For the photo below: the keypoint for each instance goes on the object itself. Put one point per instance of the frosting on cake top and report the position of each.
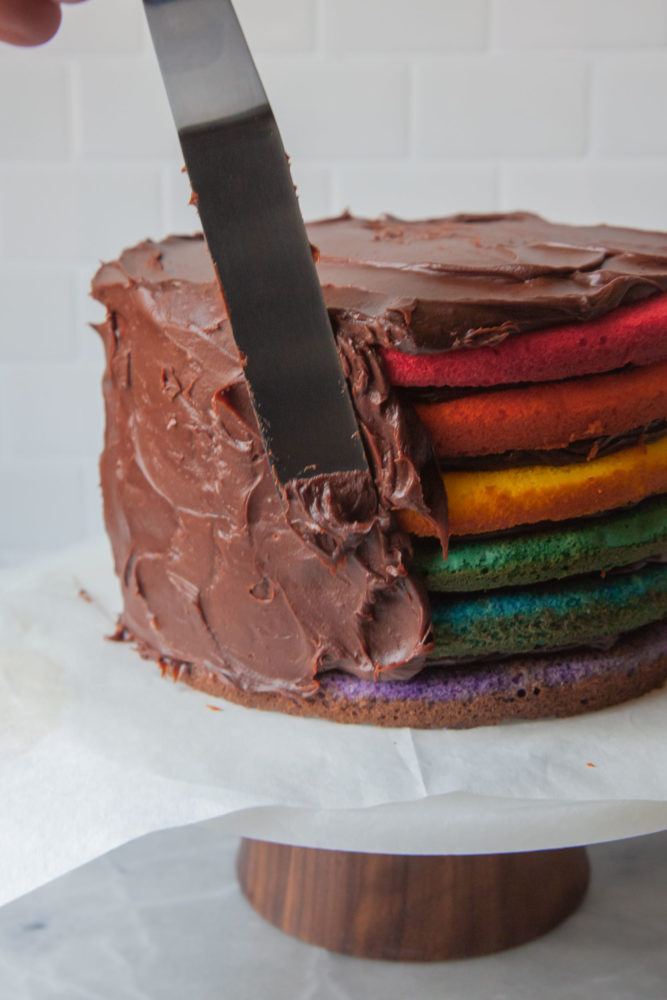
(475, 279)
(465, 280)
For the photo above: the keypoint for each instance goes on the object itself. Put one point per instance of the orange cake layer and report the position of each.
(484, 501)
(548, 415)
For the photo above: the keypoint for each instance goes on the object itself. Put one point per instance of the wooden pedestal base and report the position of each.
(411, 908)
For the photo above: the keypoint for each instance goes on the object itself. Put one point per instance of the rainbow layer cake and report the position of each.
(510, 380)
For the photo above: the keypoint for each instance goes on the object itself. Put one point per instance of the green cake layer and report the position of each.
(599, 544)
(583, 610)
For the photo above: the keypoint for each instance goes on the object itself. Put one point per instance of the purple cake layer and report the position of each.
(532, 686)
(509, 676)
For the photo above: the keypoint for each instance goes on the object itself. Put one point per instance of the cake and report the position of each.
(509, 377)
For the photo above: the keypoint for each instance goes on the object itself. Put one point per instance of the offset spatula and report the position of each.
(251, 219)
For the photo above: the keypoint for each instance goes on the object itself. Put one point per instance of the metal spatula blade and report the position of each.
(251, 219)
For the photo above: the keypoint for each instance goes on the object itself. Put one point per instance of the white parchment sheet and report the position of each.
(96, 749)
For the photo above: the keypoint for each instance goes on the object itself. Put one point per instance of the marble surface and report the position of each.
(162, 919)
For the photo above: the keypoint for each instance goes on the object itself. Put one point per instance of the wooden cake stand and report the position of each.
(410, 907)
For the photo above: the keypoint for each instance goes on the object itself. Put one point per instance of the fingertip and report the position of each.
(34, 25)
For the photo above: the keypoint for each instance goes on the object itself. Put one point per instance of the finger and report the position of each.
(28, 22)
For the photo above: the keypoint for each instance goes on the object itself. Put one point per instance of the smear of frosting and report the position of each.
(214, 569)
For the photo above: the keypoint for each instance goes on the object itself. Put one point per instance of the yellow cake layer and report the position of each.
(495, 500)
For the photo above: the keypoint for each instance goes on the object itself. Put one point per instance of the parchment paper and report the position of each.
(96, 749)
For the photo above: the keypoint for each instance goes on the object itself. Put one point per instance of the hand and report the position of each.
(29, 22)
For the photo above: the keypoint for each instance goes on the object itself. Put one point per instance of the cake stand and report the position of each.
(411, 907)
(433, 906)
(403, 844)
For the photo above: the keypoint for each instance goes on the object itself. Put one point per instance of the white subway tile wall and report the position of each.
(416, 107)
(400, 26)
(488, 105)
(340, 109)
(581, 24)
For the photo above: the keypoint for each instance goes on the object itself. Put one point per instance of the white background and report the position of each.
(418, 107)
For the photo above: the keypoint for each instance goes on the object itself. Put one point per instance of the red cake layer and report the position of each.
(635, 334)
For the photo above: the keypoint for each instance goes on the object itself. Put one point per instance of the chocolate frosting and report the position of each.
(213, 569)
(470, 280)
